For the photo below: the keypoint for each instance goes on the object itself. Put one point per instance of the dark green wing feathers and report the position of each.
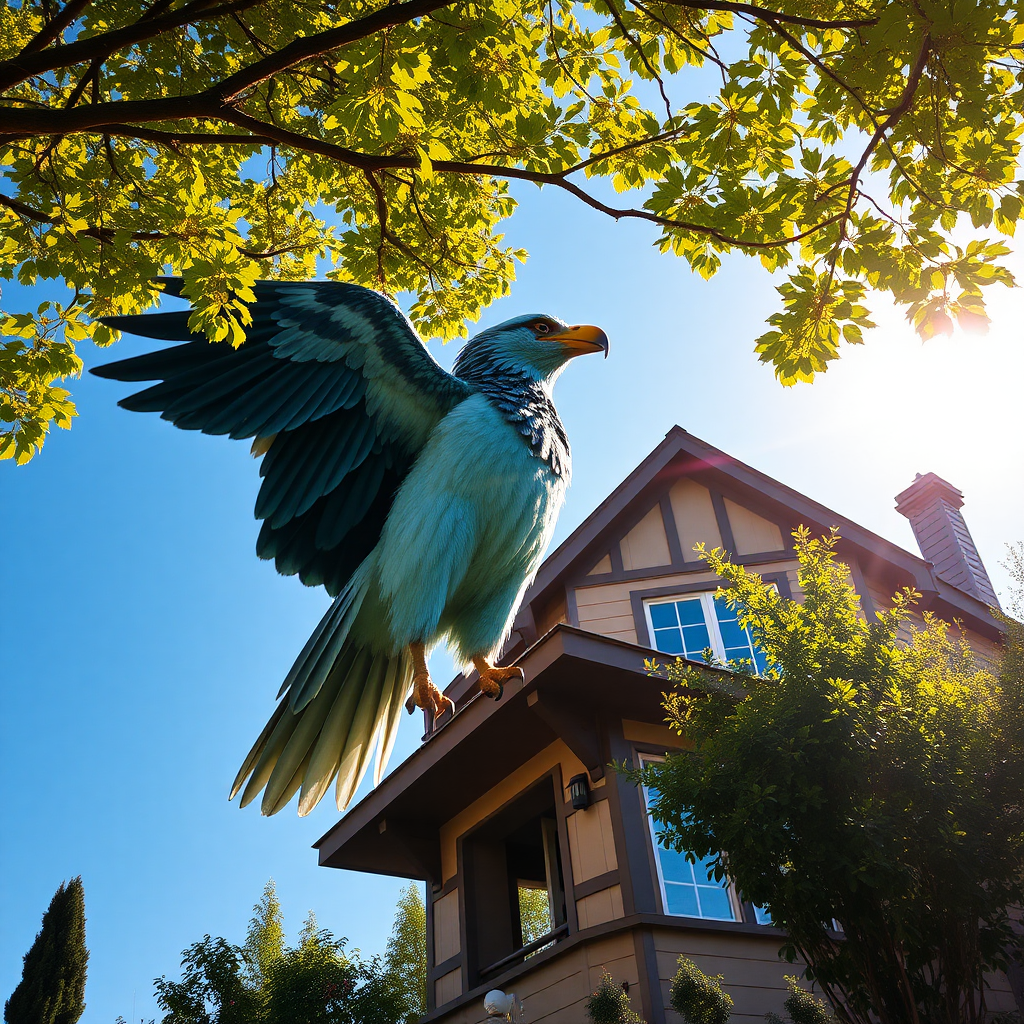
(340, 393)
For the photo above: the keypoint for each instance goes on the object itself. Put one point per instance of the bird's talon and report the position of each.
(493, 678)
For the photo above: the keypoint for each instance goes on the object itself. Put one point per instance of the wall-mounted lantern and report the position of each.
(579, 792)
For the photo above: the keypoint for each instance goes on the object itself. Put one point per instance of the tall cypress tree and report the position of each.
(52, 986)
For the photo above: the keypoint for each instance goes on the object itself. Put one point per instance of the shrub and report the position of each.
(697, 998)
(609, 1004)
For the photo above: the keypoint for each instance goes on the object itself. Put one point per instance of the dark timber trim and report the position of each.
(596, 884)
(578, 730)
(452, 963)
(722, 518)
(679, 568)
(668, 520)
(615, 556)
(629, 824)
(647, 971)
(562, 812)
(571, 611)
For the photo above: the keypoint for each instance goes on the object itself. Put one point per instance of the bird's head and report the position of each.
(536, 346)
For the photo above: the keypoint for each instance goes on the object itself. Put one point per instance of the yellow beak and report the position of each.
(583, 339)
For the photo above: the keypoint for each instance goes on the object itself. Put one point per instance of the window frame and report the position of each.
(735, 904)
(711, 623)
(638, 598)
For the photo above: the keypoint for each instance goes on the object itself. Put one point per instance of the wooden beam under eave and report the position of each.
(574, 726)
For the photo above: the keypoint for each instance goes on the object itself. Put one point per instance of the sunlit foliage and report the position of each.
(842, 140)
(866, 791)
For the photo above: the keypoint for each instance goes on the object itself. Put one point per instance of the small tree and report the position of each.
(609, 1004)
(52, 986)
(264, 981)
(264, 941)
(698, 998)
(864, 780)
(406, 956)
(802, 1007)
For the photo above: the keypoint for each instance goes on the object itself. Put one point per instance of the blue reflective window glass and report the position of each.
(682, 900)
(668, 641)
(762, 915)
(732, 634)
(739, 644)
(663, 615)
(714, 903)
(674, 866)
(696, 639)
(688, 892)
(691, 612)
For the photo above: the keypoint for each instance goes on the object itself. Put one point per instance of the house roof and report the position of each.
(683, 454)
(393, 830)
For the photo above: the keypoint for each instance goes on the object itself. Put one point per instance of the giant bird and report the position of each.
(421, 500)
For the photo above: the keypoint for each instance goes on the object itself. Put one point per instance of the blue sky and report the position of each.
(143, 641)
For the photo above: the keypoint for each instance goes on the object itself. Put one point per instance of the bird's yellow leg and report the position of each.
(493, 678)
(425, 694)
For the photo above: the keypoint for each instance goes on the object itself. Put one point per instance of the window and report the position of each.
(689, 625)
(686, 890)
(513, 890)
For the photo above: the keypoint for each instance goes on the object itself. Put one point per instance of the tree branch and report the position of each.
(53, 28)
(100, 47)
(205, 104)
(26, 211)
(187, 138)
(305, 47)
(762, 13)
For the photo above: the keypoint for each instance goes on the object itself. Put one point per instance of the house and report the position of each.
(541, 865)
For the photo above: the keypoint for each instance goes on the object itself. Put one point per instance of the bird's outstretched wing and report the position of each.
(337, 389)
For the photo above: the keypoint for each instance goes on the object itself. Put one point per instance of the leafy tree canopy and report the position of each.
(52, 986)
(264, 981)
(843, 140)
(872, 780)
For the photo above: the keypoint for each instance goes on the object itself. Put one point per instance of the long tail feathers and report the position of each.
(340, 702)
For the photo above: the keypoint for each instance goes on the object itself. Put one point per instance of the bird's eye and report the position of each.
(541, 328)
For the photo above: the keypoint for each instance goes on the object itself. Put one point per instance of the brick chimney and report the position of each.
(933, 507)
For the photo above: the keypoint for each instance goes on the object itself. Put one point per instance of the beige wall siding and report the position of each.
(599, 907)
(646, 546)
(695, 516)
(753, 974)
(605, 565)
(448, 987)
(556, 991)
(446, 927)
(605, 608)
(591, 842)
(752, 532)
